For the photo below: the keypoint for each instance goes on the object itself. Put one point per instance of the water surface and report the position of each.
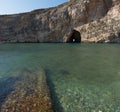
(82, 77)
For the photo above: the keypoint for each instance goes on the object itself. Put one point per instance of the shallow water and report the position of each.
(82, 77)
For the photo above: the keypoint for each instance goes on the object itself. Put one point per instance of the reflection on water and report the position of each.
(81, 77)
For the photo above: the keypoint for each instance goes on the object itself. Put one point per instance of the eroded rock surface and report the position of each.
(30, 93)
(54, 24)
(106, 29)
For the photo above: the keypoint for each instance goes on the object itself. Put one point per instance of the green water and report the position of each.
(82, 77)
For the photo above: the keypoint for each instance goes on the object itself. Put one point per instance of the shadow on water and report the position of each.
(55, 101)
(6, 87)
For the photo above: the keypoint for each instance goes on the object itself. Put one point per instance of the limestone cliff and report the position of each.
(106, 29)
(57, 24)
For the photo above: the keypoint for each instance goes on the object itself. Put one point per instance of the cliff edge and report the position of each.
(95, 20)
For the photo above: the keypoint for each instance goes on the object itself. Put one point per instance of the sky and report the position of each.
(20, 6)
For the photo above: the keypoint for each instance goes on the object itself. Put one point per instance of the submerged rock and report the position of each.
(57, 24)
(30, 94)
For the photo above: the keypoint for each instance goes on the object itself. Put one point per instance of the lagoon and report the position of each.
(81, 77)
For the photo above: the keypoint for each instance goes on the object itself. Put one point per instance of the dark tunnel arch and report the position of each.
(75, 37)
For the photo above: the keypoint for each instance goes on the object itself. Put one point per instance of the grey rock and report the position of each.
(54, 24)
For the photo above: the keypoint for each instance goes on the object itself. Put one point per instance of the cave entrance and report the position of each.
(75, 37)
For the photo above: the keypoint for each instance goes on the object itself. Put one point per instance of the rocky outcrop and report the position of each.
(106, 29)
(55, 24)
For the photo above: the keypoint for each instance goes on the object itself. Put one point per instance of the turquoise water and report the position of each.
(82, 77)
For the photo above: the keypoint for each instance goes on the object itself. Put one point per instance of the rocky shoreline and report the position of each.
(95, 20)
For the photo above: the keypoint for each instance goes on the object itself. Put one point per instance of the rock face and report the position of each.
(106, 29)
(57, 24)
